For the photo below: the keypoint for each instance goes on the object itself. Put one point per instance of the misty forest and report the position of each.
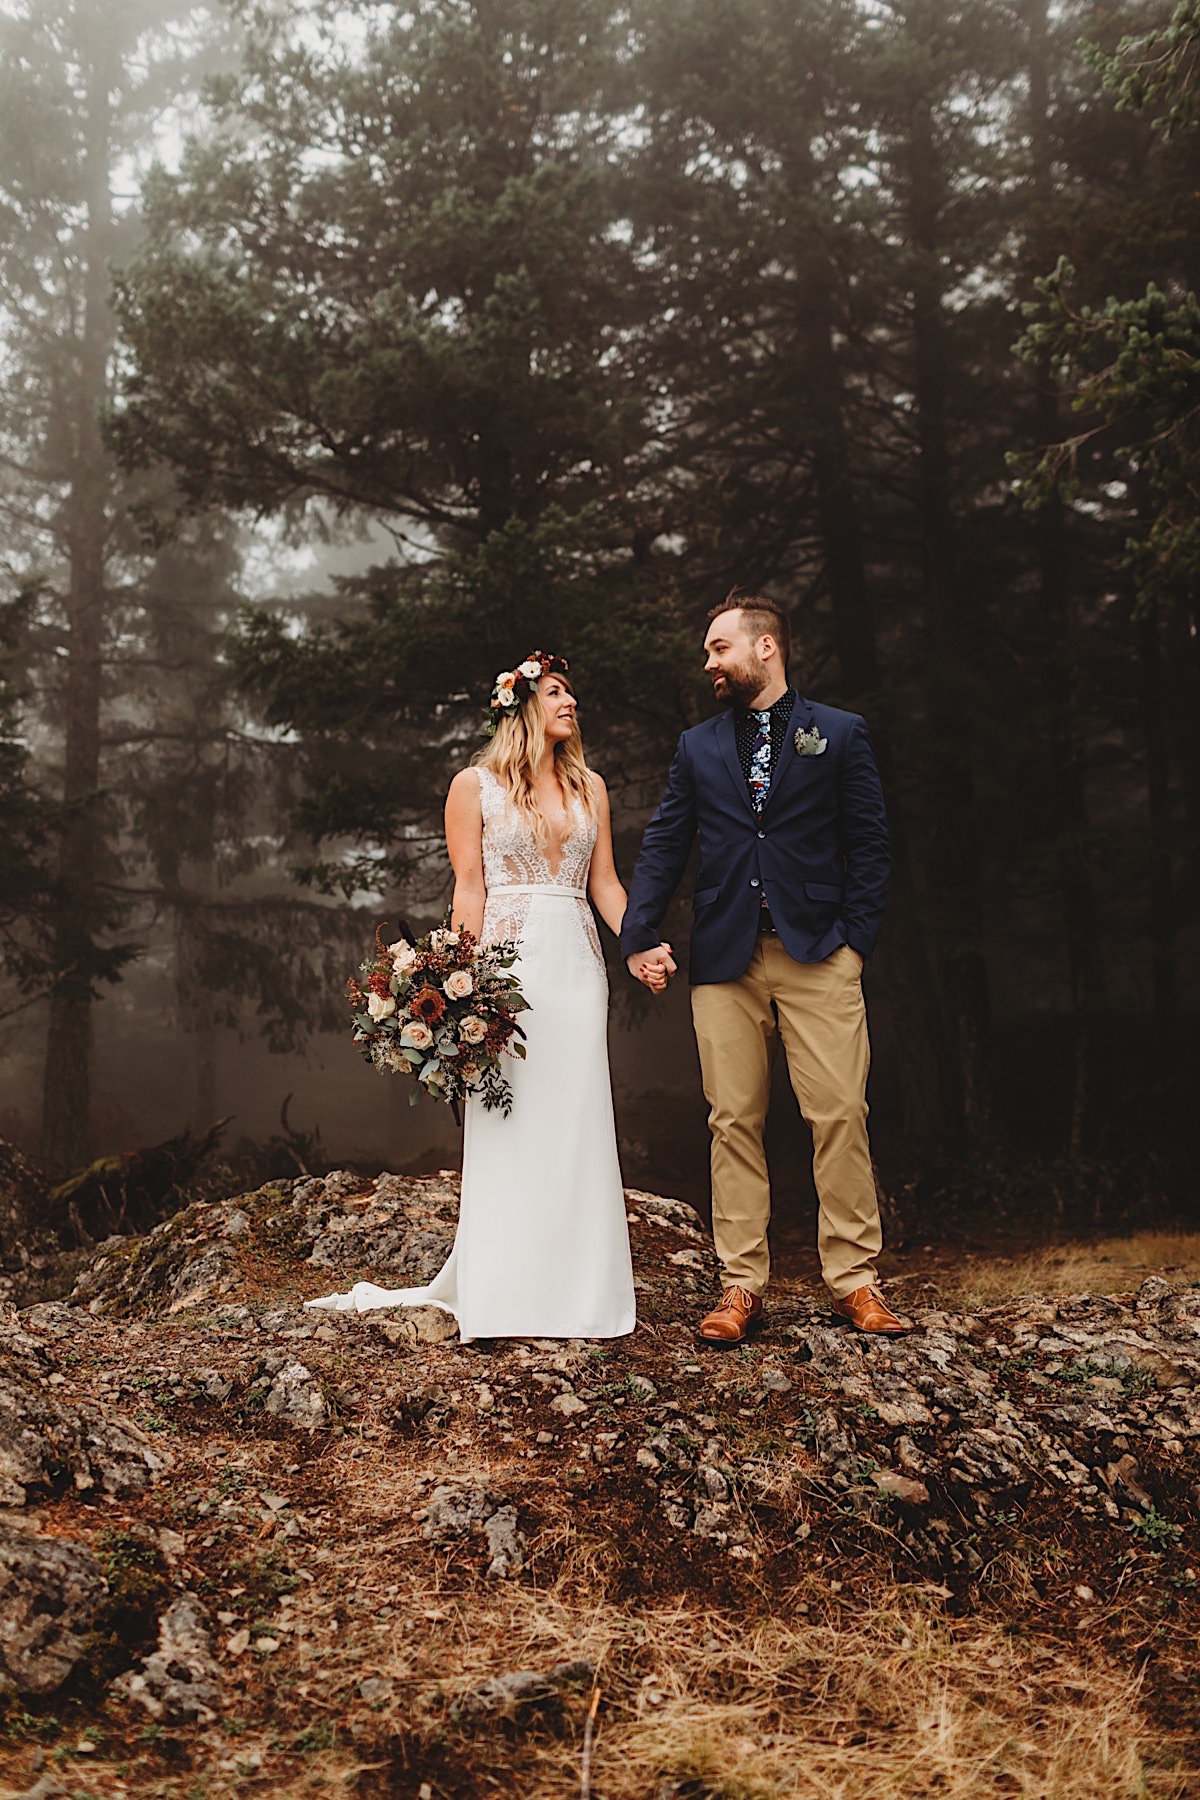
(348, 350)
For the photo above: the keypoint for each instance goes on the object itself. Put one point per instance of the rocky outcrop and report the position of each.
(506, 1542)
(180, 1682)
(396, 1230)
(951, 1426)
(453, 1512)
(967, 1415)
(314, 1451)
(291, 1392)
(49, 1592)
(46, 1440)
(43, 1442)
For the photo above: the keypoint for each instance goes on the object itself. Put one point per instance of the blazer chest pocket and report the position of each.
(822, 890)
(705, 897)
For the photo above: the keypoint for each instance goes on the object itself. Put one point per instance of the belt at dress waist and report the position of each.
(540, 887)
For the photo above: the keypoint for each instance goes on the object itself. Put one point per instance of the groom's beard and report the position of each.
(740, 685)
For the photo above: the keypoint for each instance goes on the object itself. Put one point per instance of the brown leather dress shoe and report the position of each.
(866, 1310)
(733, 1322)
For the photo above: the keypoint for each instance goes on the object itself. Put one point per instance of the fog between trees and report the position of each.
(443, 331)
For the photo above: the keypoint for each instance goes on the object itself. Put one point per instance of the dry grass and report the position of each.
(895, 1702)
(1107, 1266)
(816, 1696)
(893, 1705)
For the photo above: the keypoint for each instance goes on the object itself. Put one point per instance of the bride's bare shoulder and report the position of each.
(463, 794)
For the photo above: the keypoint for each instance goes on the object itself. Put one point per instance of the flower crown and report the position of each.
(512, 686)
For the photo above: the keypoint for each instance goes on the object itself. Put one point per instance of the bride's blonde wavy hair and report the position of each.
(514, 755)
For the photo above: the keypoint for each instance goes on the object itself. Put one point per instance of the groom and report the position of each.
(790, 892)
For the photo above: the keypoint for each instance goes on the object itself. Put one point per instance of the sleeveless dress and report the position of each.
(542, 1246)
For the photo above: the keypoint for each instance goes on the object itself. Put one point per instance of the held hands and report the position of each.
(653, 968)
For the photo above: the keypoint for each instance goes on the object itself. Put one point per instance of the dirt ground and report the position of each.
(959, 1279)
(804, 1644)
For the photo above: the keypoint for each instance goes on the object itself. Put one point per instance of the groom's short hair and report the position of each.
(763, 618)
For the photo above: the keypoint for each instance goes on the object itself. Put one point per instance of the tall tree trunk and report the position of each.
(1076, 892)
(1183, 668)
(955, 859)
(1158, 787)
(193, 989)
(1077, 898)
(67, 1089)
(928, 1077)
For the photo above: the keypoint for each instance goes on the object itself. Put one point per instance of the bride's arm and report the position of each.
(464, 841)
(604, 884)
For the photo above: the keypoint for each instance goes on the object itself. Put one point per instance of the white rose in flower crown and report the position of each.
(458, 985)
(506, 682)
(530, 670)
(402, 954)
(416, 1034)
(507, 697)
(443, 940)
(473, 1030)
(380, 1006)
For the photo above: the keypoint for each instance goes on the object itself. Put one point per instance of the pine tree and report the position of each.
(814, 196)
(26, 827)
(1128, 351)
(81, 89)
(397, 289)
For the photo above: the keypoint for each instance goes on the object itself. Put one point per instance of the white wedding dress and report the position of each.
(542, 1247)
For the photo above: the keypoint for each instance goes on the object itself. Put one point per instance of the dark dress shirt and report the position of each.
(745, 725)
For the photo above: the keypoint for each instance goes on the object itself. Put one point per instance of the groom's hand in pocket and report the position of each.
(653, 968)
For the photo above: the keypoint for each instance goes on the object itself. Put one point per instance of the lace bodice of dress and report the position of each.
(512, 858)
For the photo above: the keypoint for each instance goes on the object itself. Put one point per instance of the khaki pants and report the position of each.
(818, 1011)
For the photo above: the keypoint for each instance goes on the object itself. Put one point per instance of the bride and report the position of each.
(542, 1247)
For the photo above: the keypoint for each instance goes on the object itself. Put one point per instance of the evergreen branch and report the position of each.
(1158, 68)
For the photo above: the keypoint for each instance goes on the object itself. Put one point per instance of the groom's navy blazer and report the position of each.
(819, 849)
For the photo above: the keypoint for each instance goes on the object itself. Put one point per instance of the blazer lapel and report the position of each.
(727, 739)
(801, 715)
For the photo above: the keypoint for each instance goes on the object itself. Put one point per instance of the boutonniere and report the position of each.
(810, 742)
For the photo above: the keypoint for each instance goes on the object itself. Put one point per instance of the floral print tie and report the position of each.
(760, 762)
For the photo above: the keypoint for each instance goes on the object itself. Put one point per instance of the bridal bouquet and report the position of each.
(442, 1010)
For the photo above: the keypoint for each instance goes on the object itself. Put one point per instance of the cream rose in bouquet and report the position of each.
(440, 1009)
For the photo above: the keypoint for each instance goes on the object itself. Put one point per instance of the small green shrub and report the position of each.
(1155, 1529)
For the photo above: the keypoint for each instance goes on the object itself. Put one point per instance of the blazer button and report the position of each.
(762, 834)
(754, 881)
